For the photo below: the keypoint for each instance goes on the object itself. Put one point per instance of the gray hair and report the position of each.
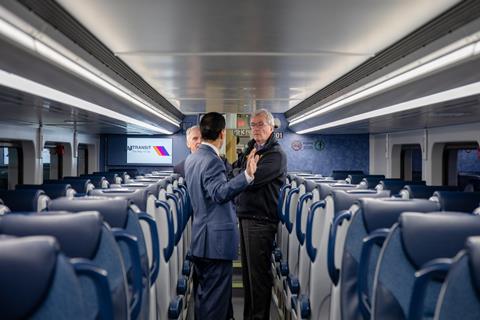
(190, 130)
(266, 114)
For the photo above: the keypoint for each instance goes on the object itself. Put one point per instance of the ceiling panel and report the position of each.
(281, 51)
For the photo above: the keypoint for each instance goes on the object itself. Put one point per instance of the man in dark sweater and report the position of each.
(257, 213)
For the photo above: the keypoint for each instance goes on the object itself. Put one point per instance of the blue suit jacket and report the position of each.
(214, 229)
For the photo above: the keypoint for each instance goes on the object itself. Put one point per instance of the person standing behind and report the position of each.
(257, 212)
(194, 137)
(214, 229)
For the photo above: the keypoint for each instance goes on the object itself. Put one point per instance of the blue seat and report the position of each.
(118, 214)
(368, 217)
(423, 192)
(343, 174)
(37, 281)
(53, 191)
(457, 201)
(414, 241)
(24, 200)
(370, 181)
(100, 182)
(460, 295)
(395, 186)
(82, 235)
(81, 185)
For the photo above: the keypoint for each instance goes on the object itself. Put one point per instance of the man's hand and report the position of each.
(252, 160)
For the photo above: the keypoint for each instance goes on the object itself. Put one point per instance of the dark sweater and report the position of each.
(259, 201)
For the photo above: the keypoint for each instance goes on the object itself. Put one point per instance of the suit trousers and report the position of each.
(256, 239)
(213, 289)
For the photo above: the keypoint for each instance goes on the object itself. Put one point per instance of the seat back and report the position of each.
(39, 285)
(367, 216)
(415, 240)
(423, 192)
(81, 235)
(81, 185)
(24, 200)
(459, 297)
(343, 174)
(52, 190)
(457, 201)
(118, 214)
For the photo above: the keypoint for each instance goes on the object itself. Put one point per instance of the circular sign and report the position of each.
(319, 145)
(297, 145)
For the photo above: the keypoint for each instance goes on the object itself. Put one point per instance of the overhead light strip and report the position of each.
(32, 43)
(25, 85)
(444, 96)
(410, 72)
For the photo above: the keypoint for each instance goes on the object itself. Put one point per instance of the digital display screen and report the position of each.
(149, 151)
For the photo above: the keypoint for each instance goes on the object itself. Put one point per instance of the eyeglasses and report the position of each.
(258, 125)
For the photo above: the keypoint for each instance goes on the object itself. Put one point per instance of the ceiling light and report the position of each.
(461, 50)
(25, 85)
(34, 44)
(448, 95)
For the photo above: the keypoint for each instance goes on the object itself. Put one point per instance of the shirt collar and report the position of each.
(213, 147)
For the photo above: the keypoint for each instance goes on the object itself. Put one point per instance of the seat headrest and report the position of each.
(457, 201)
(21, 200)
(425, 192)
(137, 196)
(309, 185)
(393, 185)
(473, 251)
(151, 187)
(113, 210)
(299, 180)
(78, 234)
(27, 266)
(436, 235)
(343, 199)
(383, 213)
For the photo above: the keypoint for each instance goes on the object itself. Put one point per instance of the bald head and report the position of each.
(194, 137)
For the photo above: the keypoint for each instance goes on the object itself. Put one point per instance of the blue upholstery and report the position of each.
(80, 185)
(21, 200)
(110, 176)
(457, 201)
(425, 192)
(52, 190)
(137, 196)
(87, 226)
(110, 209)
(40, 284)
(415, 240)
(460, 296)
(117, 213)
(79, 235)
(372, 180)
(355, 178)
(432, 236)
(395, 186)
(372, 214)
(343, 174)
(97, 181)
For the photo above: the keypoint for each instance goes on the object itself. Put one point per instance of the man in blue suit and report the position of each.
(215, 235)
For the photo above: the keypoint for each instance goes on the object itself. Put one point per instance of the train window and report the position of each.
(461, 165)
(411, 162)
(11, 165)
(52, 161)
(82, 160)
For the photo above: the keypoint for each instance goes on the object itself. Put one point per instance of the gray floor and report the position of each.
(237, 309)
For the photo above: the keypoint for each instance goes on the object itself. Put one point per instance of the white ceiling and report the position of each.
(233, 56)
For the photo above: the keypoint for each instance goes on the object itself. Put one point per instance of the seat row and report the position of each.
(141, 247)
(320, 240)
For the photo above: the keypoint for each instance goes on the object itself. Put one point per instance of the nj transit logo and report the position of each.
(161, 151)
